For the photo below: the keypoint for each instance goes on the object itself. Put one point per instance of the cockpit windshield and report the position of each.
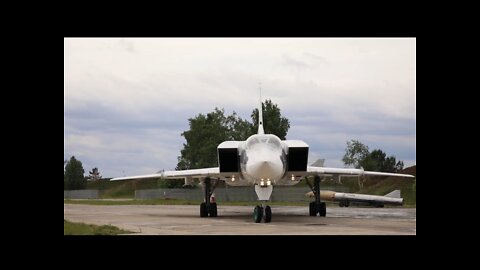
(268, 139)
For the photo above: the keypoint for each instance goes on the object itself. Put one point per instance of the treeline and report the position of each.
(358, 155)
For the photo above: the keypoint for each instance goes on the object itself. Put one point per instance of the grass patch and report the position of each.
(133, 202)
(175, 202)
(122, 189)
(72, 228)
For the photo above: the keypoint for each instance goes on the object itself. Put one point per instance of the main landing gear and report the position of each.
(317, 207)
(263, 211)
(208, 208)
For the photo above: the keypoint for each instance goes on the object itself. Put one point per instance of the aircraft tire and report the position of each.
(311, 209)
(203, 210)
(323, 209)
(213, 209)
(268, 214)
(257, 213)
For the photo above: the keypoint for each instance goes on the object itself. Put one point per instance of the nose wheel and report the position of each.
(257, 213)
(260, 212)
(268, 214)
(263, 211)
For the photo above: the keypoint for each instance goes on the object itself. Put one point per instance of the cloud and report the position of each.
(317, 59)
(296, 63)
(127, 45)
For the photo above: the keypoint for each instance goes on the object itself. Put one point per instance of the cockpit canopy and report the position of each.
(270, 139)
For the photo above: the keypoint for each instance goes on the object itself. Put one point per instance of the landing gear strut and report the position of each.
(207, 208)
(317, 207)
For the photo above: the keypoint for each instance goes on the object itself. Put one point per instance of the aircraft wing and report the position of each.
(346, 171)
(194, 173)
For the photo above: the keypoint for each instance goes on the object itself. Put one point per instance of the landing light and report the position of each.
(233, 178)
(261, 182)
(269, 182)
(293, 177)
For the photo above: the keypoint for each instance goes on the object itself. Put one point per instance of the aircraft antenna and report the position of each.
(260, 112)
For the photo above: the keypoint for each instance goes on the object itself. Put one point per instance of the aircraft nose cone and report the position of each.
(266, 169)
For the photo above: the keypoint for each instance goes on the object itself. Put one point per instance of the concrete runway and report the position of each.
(238, 220)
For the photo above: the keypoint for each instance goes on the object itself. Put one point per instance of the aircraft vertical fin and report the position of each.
(394, 194)
(260, 113)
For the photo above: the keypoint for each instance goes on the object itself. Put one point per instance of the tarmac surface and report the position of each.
(238, 220)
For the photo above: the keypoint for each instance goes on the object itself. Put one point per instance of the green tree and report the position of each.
(356, 154)
(377, 160)
(64, 177)
(94, 175)
(399, 166)
(273, 122)
(238, 129)
(374, 161)
(389, 164)
(171, 183)
(205, 134)
(74, 178)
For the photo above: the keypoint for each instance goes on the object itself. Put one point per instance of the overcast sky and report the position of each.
(128, 100)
